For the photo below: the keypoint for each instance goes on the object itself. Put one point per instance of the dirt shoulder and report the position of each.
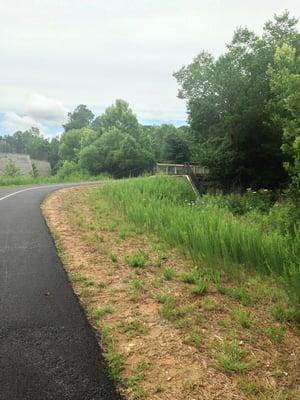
(163, 338)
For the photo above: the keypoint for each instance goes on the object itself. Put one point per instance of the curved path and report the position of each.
(47, 348)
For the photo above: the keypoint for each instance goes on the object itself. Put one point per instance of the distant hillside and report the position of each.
(24, 163)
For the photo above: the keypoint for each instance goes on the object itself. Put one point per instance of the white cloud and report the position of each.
(45, 109)
(92, 52)
(13, 122)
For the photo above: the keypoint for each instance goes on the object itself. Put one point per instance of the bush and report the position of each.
(70, 168)
(11, 170)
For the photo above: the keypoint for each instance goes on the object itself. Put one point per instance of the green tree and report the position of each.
(120, 116)
(285, 84)
(81, 117)
(117, 153)
(70, 145)
(226, 104)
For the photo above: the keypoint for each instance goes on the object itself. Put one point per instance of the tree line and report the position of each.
(113, 142)
(243, 120)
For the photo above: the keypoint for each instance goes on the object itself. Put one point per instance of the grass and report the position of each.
(193, 338)
(242, 317)
(275, 334)
(237, 314)
(138, 375)
(48, 180)
(201, 287)
(114, 359)
(98, 313)
(114, 257)
(190, 277)
(82, 279)
(132, 328)
(233, 358)
(208, 232)
(137, 259)
(168, 273)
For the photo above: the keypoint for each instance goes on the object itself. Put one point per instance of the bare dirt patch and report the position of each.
(162, 340)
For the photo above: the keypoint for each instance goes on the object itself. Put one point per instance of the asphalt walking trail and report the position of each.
(47, 348)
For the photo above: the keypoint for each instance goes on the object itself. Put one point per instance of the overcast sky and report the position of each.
(56, 54)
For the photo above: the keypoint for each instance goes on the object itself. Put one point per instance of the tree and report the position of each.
(117, 153)
(226, 104)
(70, 145)
(285, 85)
(81, 117)
(53, 154)
(120, 116)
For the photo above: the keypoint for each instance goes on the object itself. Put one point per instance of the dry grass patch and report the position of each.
(169, 332)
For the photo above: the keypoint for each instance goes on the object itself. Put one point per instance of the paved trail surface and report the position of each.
(47, 348)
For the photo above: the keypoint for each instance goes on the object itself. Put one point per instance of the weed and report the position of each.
(275, 334)
(133, 328)
(233, 358)
(137, 259)
(115, 360)
(242, 317)
(137, 284)
(113, 225)
(237, 293)
(189, 386)
(211, 305)
(166, 299)
(168, 273)
(190, 277)
(114, 257)
(201, 287)
(167, 311)
(123, 233)
(101, 285)
(279, 313)
(98, 313)
(138, 376)
(193, 338)
(77, 277)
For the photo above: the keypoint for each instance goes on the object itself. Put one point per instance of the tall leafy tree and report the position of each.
(81, 117)
(117, 153)
(285, 85)
(226, 104)
(120, 116)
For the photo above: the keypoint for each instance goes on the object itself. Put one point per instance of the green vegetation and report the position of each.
(201, 287)
(132, 328)
(168, 273)
(136, 259)
(233, 358)
(243, 117)
(275, 334)
(115, 360)
(209, 232)
(242, 317)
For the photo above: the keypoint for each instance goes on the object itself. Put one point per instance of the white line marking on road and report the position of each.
(31, 188)
(51, 186)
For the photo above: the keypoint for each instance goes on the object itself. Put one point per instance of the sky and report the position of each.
(56, 54)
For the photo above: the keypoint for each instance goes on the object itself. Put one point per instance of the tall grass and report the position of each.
(27, 180)
(166, 206)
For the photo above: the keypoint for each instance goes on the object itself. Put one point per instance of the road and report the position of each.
(48, 350)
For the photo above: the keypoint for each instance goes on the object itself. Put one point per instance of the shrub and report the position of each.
(11, 170)
(70, 168)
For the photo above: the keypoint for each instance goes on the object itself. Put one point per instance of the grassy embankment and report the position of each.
(221, 318)
(207, 232)
(44, 180)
